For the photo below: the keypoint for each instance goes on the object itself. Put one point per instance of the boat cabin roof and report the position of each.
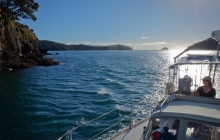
(208, 111)
(197, 59)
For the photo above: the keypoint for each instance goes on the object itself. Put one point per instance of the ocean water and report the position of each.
(44, 102)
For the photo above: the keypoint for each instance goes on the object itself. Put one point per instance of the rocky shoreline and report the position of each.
(11, 62)
(19, 47)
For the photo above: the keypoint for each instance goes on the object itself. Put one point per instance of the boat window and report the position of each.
(187, 78)
(202, 131)
(165, 128)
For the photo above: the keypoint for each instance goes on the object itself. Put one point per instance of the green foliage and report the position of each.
(15, 9)
(208, 44)
(50, 45)
(12, 23)
(25, 31)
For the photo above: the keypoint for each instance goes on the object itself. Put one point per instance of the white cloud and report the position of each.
(86, 42)
(69, 43)
(143, 37)
(106, 44)
(157, 43)
(153, 45)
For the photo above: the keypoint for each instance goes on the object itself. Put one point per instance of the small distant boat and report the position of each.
(180, 115)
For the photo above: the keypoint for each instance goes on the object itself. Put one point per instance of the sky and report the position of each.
(141, 24)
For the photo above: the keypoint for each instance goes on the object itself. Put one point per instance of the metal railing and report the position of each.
(164, 101)
(109, 127)
(68, 134)
(132, 123)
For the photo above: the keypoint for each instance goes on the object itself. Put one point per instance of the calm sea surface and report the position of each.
(44, 102)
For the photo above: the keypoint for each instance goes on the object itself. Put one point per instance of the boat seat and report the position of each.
(185, 84)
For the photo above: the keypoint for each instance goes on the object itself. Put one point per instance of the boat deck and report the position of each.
(135, 133)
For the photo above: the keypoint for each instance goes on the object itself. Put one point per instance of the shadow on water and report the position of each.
(24, 110)
(12, 104)
(22, 113)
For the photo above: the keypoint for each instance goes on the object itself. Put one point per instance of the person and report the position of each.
(206, 90)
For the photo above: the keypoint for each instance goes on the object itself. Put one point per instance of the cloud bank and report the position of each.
(157, 43)
(143, 37)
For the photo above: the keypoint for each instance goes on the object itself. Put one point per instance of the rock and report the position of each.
(1, 49)
(43, 51)
(49, 54)
(164, 49)
(19, 47)
(47, 62)
(1, 67)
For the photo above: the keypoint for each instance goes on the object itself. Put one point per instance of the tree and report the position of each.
(15, 9)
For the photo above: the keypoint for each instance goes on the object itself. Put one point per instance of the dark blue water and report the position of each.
(44, 102)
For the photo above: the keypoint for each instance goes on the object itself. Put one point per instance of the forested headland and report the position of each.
(50, 45)
(18, 43)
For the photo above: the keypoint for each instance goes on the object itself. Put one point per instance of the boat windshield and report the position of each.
(166, 128)
(174, 128)
(202, 131)
(189, 77)
(185, 76)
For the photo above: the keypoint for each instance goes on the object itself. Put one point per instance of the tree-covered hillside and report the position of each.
(18, 43)
(208, 44)
(50, 45)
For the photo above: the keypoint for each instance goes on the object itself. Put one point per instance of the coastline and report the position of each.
(19, 47)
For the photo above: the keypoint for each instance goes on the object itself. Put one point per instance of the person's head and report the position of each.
(207, 81)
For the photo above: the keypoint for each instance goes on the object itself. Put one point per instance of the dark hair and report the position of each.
(210, 83)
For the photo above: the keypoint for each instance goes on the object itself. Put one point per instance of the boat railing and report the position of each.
(164, 101)
(69, 134)
(109, 127)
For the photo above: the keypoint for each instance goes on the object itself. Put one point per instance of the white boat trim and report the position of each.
(191, 110)
(132, 129)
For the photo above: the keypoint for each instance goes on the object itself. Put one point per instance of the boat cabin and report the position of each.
(189, 67)
(183, 117)
(186, 74)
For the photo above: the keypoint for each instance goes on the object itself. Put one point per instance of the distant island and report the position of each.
(164, 49)
(50, 45)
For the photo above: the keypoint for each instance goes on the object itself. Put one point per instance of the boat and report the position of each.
(180, 115)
